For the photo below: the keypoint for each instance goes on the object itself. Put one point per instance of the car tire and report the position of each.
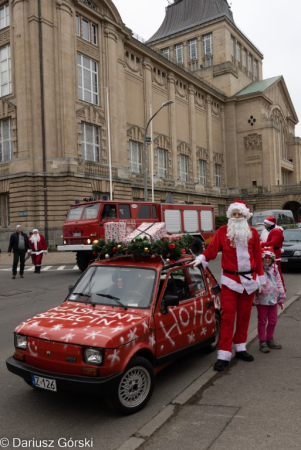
(212, 347)
(135, 387)
(83, 260)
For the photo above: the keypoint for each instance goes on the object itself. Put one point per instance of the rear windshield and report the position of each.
(74, 213)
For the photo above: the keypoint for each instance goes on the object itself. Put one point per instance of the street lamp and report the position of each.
(148, 139)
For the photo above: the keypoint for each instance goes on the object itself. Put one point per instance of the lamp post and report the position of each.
(148, 139)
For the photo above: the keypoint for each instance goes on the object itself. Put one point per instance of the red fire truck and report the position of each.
(85, 223)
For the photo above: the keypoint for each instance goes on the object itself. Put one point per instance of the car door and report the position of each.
(175, 330)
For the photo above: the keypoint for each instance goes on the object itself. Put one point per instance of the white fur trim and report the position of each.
(223, 355)
(231, 284)
(269, 222)
(241, 208)
(240, 347)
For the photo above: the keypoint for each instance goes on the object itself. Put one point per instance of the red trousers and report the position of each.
(37, 259)
(233, 305)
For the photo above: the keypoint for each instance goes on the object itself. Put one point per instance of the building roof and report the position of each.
(185, 14)
(257, 86)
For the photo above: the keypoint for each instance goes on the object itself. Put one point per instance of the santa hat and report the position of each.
(35, 230)
(268, 252)
(270, 220)
(242, 208)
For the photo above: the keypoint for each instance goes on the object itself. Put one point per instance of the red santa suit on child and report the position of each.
(242, 275)
(39, 247)
(275, 240)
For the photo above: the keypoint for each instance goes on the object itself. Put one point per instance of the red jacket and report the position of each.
(40, 245)
(241, 258)
(275, 240)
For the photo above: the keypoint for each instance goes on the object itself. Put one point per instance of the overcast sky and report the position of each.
(273, 26)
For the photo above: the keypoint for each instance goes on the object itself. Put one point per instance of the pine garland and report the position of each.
(167, 248)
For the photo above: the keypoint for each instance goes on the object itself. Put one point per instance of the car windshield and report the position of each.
(292, 235)
(129, 287)
(74, 213)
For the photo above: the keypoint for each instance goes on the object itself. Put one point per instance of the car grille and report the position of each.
(287, 253)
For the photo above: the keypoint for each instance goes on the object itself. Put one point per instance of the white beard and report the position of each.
(35, 238)
(238, 229)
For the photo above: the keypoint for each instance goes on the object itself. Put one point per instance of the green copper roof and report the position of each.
(257, 86)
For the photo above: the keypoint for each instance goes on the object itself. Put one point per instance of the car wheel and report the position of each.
(135, 387)
(212, 347)
(83, 260)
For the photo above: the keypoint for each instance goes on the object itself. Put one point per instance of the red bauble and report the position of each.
(170, 246)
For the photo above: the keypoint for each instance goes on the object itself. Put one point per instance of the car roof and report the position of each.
(147, 262)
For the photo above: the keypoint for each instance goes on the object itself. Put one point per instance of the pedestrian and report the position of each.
(242, 275)
(274, 239)
(39, 247)
(19, 243)
(266, 301)
(29, 255)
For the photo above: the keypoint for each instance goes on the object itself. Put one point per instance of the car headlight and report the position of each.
(20, 341)
(93, 356)
(297, 253)
(88, 241)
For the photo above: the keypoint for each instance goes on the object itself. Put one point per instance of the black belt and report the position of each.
(277, 248)
(240, 273)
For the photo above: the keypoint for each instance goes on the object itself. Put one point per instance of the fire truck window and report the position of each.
(74, 213)
(144, 212)
(154, 212)
(109, 212)
(91, 212)
(124, 212)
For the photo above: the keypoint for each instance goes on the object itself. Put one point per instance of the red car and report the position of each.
(121, 323)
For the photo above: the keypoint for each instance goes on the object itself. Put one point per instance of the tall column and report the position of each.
(222, 109)
(209, 139)
(192, 138)
(147, 78)
(172, 122)
(111, 82)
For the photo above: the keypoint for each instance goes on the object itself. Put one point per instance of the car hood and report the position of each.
(77, 323)
(292, 245)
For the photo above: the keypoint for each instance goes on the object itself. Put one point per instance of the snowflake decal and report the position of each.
(93, 334)
(44, 336)
(116, 329)
(114, 358)
(204, 331)
(67, 337)
(34, 324)
(132, 334)
(191, 337)
(145, 326)
(152, 340)
(57, 327)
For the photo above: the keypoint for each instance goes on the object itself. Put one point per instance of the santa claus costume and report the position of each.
(39, 247)
(274, 239)
(242, 275)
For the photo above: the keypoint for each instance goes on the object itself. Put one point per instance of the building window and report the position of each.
(238, 49)
(135, 157)
(244, 58)
(183, 168)
(6, 142)
(255, 69)
(87, 79)
(166, 53)
(4, 210)
(218, 175)
(179, 53)
(207, 45)
(86, 29)
(232, 46)
(250, 63)
(4, 16)
(91, 142)
(202, 172)
(5, 70)
(162, 163)
(193, 49)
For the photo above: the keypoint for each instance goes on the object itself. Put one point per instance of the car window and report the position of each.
(91, 212)
(177, 284)
(124, 211)
(75, 213)
(109, 211)
(144, 212)
(197, 282)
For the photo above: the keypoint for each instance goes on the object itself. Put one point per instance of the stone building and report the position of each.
(78, 89)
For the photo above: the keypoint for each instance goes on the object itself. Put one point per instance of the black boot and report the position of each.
(220, 365)
(35, 269)
(245, 356)
(38, 269)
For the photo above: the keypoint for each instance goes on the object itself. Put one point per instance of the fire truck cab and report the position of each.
(85, 223)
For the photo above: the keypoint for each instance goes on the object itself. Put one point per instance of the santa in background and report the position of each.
(274, 239)
(242, 275)
(39, 247)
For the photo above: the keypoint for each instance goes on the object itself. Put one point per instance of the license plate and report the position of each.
(284, 260)
(76, 234)
(44, 383)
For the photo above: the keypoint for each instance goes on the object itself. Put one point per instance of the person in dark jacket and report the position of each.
(19, 244)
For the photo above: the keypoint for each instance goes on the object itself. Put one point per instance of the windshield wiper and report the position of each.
(116, 299)
(81, 294)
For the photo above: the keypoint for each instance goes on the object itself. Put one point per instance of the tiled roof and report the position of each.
(257, 86)
(185, 14)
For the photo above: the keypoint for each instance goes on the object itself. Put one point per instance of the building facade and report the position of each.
(78, 89)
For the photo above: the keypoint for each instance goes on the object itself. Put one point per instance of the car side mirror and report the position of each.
(70, 288)
(216, 289)
(169, 300)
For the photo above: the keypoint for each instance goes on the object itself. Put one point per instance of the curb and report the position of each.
(143, 434)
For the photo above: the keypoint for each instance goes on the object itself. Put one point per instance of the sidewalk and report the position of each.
(249, 406)
(51, 258)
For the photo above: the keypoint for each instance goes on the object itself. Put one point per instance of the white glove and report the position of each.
(200, 260)
(45, 251)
